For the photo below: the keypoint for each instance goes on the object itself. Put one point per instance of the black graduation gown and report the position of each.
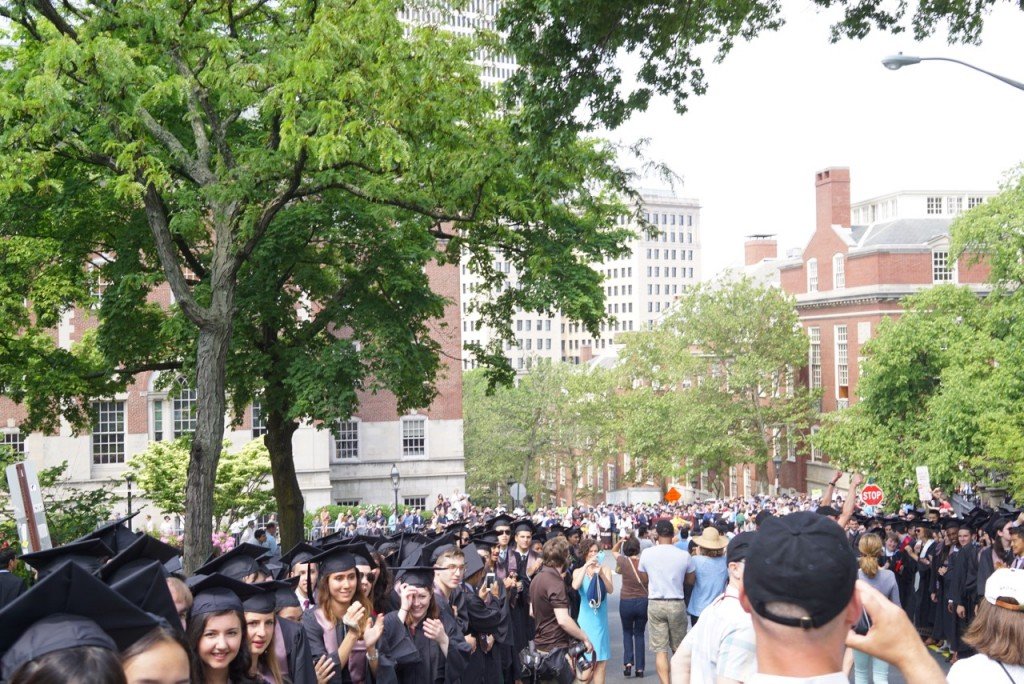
(299, 659)
(412, 658)
(961, 583)
(315, 641)
(925, 607)
(522, 623)
(940, 624)
(986, 566)
(478, 619)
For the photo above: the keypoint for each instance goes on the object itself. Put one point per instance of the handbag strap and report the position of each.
(1007, 672)
(635, 572)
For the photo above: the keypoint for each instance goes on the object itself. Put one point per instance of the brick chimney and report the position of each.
(757, 248)
(832, 190)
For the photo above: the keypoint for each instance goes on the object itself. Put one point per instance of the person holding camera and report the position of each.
(556, 631)
(594, 582)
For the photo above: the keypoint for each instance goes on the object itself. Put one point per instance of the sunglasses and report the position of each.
(502, 532)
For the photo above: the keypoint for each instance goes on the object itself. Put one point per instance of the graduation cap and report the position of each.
(474, 563)
(216, 593)
(361, 551)
(335, 559)
(266, 600)
(485, 539)
(141, 553)
(573, 531)
(284, 594)
(146, 588)
(66, 609)
(438, 546)
(88, 554)
(951, 523)
(238, 563)
(503, 520)
(114, 534)
(417, 576)
(300, 553)
(996, 522)
(524, 525)
(329, 539)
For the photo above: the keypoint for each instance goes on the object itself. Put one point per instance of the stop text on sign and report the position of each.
(872, 495)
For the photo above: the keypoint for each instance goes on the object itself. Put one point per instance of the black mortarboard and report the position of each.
(330, 539)
(88, 554)
(503, 520)
(522, 525)
(417, 576)
(139, 554)
(997, 522)
(951, 523)
(486, 539)
(237, 563)
(300, 553)
(284, 595)
(146, 588)
(266, 600)
(335, 559)
(573, 531)
(115, 534)
(828, 511)
(436, 547)
(474, 563)
(361, 551)
(69, 590)
(215, 593)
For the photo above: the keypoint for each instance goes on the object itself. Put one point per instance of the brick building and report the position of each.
(850, 276)
(349, 463)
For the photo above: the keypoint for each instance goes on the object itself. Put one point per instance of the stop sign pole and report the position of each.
(872, 495)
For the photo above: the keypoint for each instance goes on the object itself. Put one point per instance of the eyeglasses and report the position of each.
(454, 568)
(503, 532)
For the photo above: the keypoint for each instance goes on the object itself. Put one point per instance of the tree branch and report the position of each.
(198, 131)
(54, 17)
(135, 370)
(159, 225)
(202, 176)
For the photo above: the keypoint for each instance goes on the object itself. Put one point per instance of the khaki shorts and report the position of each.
(667, 622)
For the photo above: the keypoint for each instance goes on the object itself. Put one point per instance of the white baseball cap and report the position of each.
(1005, 588)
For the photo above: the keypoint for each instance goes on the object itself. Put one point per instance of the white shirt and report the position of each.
(666, 567)
(981, 668)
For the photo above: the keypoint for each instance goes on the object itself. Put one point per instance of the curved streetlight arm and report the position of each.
(901, 60)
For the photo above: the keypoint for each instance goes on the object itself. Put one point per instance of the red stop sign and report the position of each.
(872, 495)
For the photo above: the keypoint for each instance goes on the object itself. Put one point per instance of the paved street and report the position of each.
(615, 628)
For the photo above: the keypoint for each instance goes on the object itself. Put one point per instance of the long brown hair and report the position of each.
(870, 546)
(323, 596)
(998, 633)
(269, 660)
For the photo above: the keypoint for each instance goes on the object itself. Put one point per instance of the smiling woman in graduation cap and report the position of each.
(217, 630)
(341, 618)
(421, 644)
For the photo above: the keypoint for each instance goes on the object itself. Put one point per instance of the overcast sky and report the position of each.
(790, 103)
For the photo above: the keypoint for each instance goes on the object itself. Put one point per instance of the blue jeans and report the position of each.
(866, 668)
(633, 613)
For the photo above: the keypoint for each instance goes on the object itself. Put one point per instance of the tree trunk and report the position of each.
(207, 440)
(290, 505)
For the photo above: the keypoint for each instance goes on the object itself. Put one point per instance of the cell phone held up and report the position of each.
(489, 580)
(863, 625)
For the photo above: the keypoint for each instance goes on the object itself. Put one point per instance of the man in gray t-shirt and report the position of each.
(666, 567)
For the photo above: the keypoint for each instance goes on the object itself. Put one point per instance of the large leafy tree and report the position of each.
(713, 386)
(262, 158)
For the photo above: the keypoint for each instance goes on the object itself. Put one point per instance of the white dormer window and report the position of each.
(838, 272)
(942, 270)
(812, 275)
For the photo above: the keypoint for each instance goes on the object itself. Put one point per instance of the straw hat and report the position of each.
(710, 538)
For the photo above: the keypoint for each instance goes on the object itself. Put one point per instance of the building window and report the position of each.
(815, 451)
(838, 271)
(815, 357)
(414, 436)
(346, 440)
(414, 501)
(842, 363)
(941, 272)
(108, 432)
(259, 423)
(351, 503)
(974, 201)
(183, 409)
(954, 205)
(13, 441)
(933, 206)
(812, 275)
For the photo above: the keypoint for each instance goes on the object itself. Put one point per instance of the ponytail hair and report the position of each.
(870, 546)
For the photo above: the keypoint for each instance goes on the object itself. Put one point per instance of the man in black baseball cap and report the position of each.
(800, 588)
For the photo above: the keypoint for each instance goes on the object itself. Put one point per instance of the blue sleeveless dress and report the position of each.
(594, 622)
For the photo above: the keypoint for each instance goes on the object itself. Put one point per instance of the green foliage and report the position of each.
(312, 518)
(713, 386)
(242, 488)
(70, 511)
(963, 20)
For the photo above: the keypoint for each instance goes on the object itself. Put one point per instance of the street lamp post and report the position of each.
(777, 462)
(128, 479)
(395, 479)
(901, 60)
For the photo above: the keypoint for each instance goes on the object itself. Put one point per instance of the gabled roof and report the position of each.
(909, 231)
